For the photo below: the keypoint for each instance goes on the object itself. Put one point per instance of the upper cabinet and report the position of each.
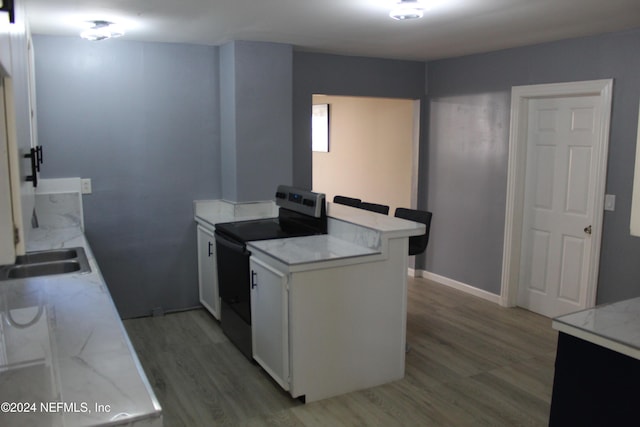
(7, 226)
(18, 137)
(635, 200)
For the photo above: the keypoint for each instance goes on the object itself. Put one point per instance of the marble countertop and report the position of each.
(389, 226)
(64, 346)
(310, 249)
(211, 212)
(615, 326)
(352, 233)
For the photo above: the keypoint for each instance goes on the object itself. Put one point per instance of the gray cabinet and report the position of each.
(208, 272)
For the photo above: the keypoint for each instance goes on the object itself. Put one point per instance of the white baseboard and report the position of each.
(480, 293)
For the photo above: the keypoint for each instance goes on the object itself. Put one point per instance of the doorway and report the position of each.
(373, 150)
(555, 195)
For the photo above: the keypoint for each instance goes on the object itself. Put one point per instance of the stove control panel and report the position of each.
(302, 201)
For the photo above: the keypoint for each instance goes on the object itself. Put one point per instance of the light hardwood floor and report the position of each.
(471, 363)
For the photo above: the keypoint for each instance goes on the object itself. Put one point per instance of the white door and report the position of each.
(560, 192)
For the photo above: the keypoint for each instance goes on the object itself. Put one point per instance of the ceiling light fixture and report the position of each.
(101, 30)
(407, 9)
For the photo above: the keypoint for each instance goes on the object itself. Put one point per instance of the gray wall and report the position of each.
(256, 116)
(228, 168)
(142, 121)
(347, 76)
(468, 141)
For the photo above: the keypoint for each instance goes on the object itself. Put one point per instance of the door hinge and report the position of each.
(16, 235)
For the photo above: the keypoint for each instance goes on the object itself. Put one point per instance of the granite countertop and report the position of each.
(63, 345)
(614, 326)
(310, 249)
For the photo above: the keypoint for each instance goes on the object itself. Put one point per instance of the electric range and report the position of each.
(301, 213)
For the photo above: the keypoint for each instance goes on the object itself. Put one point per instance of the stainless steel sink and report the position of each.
(48, 256)
(46, 263)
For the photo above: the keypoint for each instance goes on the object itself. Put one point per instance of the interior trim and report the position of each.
(520, 97)
(472, 290)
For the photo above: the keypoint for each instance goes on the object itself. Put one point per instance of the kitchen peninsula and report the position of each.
(329, 311)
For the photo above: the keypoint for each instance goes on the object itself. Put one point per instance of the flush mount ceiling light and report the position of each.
(407, 9)
(101, 30)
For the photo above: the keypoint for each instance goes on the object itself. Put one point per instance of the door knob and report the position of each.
(587, 230)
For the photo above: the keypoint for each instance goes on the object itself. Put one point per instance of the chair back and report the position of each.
(374, 207)
(349, 201)
(417, 244)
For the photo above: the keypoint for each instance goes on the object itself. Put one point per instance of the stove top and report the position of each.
(263, 229)
(302, 213)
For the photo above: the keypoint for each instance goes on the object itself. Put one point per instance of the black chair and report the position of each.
(417, 244)
(374, 207)
(349, 201)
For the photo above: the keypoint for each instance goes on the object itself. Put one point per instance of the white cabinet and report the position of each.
(7, 244)
(11, 220)
(208, 272)
(269, 321)
(17, 196)
(325, 328)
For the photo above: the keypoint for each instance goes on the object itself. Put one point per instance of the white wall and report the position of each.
(370, 150)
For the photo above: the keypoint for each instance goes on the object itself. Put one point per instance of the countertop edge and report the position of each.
(134, 355)
(594, 338)
(309, 265)
(205, 223)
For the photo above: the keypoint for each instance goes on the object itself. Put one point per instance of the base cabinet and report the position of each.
(207, 271)
(321, 332)
(593, 385)
(269, 321)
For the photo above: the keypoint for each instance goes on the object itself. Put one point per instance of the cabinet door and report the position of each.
(207, 272)
(270, 320)
(7, 243)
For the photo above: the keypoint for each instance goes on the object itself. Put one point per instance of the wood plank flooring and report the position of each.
(471, 363)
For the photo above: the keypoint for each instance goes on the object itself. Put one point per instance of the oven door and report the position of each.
(233, 275)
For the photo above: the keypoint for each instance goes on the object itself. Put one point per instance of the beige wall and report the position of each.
(370, 150)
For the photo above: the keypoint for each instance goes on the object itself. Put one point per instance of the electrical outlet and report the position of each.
(609, 202)
(86, 185)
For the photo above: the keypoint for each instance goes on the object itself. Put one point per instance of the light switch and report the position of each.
(86, 185)
(609, 202)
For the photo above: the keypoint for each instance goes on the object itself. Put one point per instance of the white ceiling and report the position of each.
(349, 27)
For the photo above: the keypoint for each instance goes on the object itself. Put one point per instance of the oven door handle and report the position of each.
(230, 244)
